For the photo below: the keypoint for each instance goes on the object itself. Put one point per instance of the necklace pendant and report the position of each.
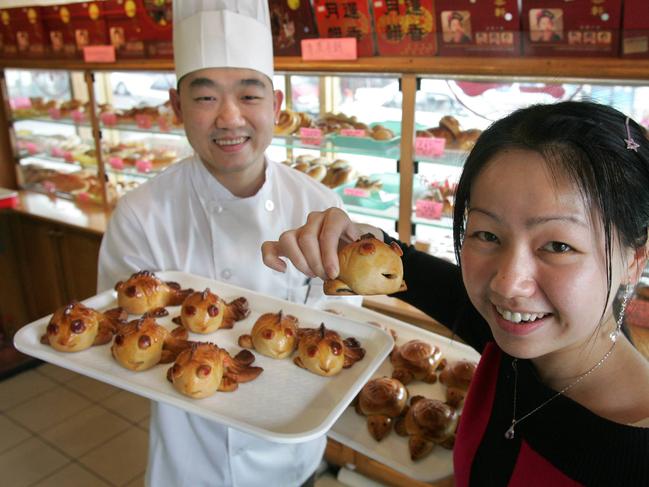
(509, 434)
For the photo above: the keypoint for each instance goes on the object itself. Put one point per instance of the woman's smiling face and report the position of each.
(533, 258)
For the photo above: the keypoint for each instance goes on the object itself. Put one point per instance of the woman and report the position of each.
(551, 218)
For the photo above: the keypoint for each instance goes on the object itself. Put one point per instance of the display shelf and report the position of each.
(46, 119)
(53, 162)
(290, 142)
(445, 223)
(153, 130)
(527, 67)
(450, 157)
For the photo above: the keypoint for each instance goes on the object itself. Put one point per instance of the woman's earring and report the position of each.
(625, 300)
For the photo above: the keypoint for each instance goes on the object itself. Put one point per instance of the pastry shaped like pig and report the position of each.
(144, 292)
(205, 312)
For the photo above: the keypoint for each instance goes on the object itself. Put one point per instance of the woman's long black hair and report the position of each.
(584, 141)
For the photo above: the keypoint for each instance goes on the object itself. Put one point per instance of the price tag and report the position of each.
(20, 102)
(142, 165)
(55, 113)
(57, 152)
(163, 124)
(67, 155)
(109, 119)
(353, 133)
(429, 146)
(99, 54)
(429, 209)
(332, 49)
(31, 148)
(310, 136)
(78, 116)
(359, 192)
(144, 121)
(116, 162)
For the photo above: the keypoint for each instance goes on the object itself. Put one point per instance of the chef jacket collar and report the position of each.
(211, 191)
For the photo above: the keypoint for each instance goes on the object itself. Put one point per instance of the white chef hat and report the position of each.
(222, 34)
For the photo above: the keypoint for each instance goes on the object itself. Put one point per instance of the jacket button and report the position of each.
(226, 274)
(269, 205)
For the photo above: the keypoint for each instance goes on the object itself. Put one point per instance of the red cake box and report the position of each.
(635, 29)
(478, 27)
(405, 28)
(346, 18)
(73, 26)
(291, 21)
(22, 33)
(569, 28)
(140, 28)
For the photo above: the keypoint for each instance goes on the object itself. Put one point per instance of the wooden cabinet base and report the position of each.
(343, 456)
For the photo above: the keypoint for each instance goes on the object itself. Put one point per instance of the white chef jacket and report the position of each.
(184, 219)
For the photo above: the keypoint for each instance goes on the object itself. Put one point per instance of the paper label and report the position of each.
(116, 162)
(429, 209)
(144, 121)
(67, 155)
(55, 113)
(429, 146)
(99, 54)
(32, 148)
(78, 116)
(310, 136)
(359, 192)
(20, 102)
(57, 152)
(353, 133)
(330, 49)
(109, 119)
(143, 165)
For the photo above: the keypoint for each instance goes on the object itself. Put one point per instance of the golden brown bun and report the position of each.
(429, 422)
(138, 345)
(381, 400)
(416, 360)
(367, 267)
(73, 328)
(198, 371)
(288, 123)
(301, 166)
(317, 172)
(324, 352)
(273, 335)
(451, 124)
(144, 292)
(205, 312)
(442, 133)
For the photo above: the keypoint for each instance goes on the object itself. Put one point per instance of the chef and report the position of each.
(208, 215)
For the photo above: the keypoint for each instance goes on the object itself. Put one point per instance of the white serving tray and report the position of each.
(351, 428)
(286, 403)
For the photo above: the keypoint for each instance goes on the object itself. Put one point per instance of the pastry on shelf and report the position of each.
(144, 292)
(368, 267)
(273, 335)
(364, 182)
(381, 400)
(338, 173)
(75, 327)
(205, 312)
(379, 132)
(143, 343)
(427, 422)
(450, 130)
(416, 360)
(288, 123)
(457, 377)
(324, 352)
(204, 368)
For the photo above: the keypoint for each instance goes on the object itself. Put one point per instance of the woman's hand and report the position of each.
(313, 247)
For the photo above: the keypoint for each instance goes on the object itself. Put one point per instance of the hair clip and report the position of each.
(630, 143)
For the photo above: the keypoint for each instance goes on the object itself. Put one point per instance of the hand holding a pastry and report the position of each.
(313, 247)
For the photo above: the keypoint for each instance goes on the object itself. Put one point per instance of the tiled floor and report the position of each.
(61, 429)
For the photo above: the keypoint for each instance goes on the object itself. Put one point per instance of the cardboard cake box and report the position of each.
(478, 27)
(22, 33)
(140, 28)
(635, 29)
(346, 18)
(568, 28)
(291, 21)
(73, 26)
(405, 28)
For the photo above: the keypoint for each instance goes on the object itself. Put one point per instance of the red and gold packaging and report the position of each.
(140, 28)
(478, 28)
(558, 28)
(346, 18)
(22, 33)
(635, 29)
(291, 21)
(405, 28)
(73, 26)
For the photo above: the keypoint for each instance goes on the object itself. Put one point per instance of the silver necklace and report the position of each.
(509, 434)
